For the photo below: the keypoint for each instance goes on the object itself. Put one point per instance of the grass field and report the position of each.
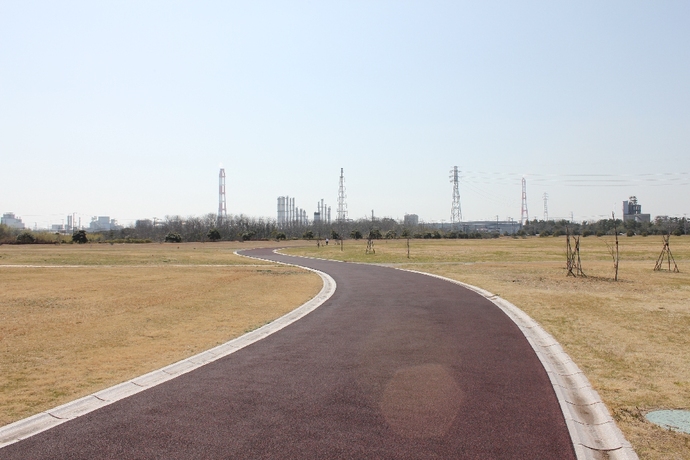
(76, 319)
(129, 254)
(630, 337)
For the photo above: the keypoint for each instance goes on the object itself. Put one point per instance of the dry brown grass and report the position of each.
(629, 337)
(219, 253)
(69, 331)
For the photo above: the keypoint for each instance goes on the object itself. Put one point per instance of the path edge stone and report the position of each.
(30, 426)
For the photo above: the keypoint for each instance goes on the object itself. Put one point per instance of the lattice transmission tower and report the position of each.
(222, 209)
(455, 210)
(342, 206)
(546, 207)
(524, 216)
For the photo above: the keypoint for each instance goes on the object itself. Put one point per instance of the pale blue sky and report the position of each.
(127, 109)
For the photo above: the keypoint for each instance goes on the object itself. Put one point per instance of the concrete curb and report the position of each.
(22, 429)
(593, 431)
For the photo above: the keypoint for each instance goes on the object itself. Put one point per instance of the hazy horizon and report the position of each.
(128, 109)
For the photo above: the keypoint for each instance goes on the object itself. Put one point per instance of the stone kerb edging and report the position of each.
(593, 431)
(22, 429)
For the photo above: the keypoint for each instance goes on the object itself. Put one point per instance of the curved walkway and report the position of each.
(394, 365)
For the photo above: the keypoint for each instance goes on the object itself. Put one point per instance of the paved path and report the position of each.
(394, 365)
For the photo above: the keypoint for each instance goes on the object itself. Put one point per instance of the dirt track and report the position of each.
(394, 365)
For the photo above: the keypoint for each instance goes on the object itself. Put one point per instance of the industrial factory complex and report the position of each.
(290, 215)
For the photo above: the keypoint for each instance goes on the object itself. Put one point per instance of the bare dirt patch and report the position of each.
(630, 337)
(69, 331)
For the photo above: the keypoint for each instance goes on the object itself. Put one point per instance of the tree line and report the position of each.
(661, 225)
(245, 228)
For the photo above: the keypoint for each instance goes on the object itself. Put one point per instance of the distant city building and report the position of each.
(143, 224)
(103, 224)
(411, 220)
(633, 211)
(64, 228)
(11, 220)
(490, 226)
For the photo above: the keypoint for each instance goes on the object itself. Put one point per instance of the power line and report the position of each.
(580, 180)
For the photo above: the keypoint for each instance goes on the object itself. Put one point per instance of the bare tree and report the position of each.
(613, 250)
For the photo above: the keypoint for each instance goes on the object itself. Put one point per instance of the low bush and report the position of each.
(173, 237)
(26, 238)
(80, 237)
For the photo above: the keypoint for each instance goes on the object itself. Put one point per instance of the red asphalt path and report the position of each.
(394, 365)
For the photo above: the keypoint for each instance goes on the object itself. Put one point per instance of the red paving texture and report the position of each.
(395, 365)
